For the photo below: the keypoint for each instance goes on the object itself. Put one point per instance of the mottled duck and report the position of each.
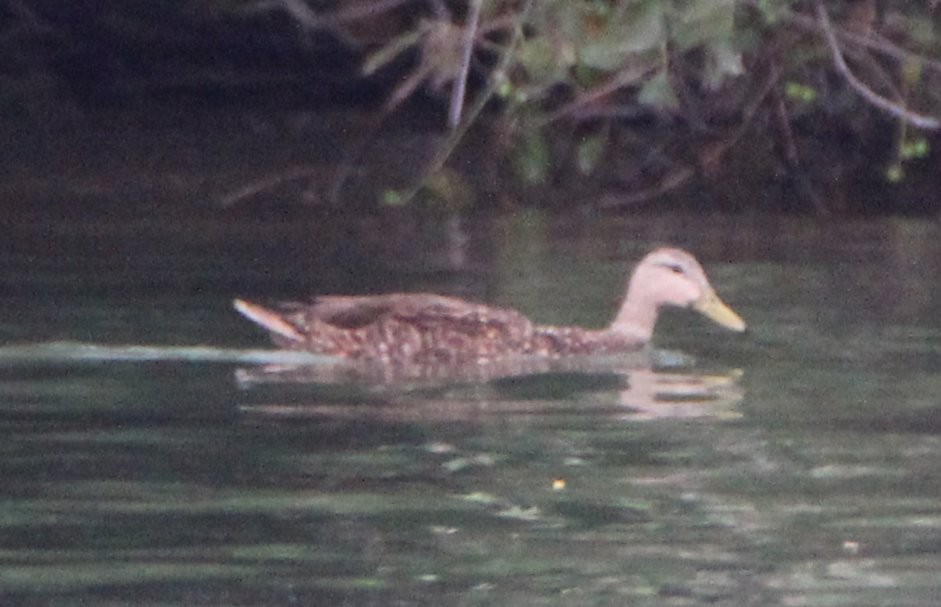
(421, 328)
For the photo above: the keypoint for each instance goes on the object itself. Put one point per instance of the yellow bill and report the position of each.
(713, 308)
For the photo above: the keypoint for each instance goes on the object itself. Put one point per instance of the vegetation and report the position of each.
(809, 99)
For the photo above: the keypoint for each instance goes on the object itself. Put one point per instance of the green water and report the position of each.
(794, 465)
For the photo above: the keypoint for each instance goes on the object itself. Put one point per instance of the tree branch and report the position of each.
(872, 41)
(887, 105)
(497, 76)
(307, 18)
(460, 84)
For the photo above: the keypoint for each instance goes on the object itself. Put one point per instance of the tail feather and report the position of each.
(269, 319)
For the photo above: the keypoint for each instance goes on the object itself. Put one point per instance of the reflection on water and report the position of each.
(65, 352)
(638, 389)
(797, 465)
(651, 394)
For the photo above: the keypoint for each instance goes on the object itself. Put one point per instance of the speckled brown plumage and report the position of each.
(432, 329)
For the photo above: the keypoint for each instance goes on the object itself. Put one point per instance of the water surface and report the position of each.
(794, 465)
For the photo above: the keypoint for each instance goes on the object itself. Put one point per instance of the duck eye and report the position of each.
(675, 268)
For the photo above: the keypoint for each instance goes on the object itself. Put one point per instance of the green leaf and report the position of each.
(644, 27)
(531, 161)
(921, 28)
(912, 71)
(447, 190)
(725, 62)
(634, 32)
(772, 11)
(392, 198)
(545, 61)
(800, 92)
(895, 173)
(589, 153)
(916, 148)
(703, 21)
(658, 92)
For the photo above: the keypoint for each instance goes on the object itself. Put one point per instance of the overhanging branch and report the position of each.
(887, 105)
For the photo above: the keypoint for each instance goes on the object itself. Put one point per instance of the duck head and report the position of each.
(669, 277)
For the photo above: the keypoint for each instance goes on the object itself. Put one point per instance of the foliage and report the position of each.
(694, 64)
(677, 86)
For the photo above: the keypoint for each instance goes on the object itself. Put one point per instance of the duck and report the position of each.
(424, 328)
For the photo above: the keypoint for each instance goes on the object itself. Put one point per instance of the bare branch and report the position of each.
(373, 8)
(256, 187)
(460, 84)
(309, 19)
(887, 105)
(625, 77)
(497, 76)
(711, 156)
(302, 13)
(872, 41)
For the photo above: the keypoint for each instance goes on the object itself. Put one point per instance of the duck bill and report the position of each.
(713, 308)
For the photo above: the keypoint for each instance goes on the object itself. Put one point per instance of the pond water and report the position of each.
(797, 464)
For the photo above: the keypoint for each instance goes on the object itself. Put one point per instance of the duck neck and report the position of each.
(637, 316)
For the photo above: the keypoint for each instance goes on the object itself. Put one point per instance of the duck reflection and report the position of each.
(654, 394)
(654, 385)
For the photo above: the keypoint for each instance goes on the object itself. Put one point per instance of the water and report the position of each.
(794, 465)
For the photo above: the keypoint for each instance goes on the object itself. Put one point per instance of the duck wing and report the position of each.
(398, 327)
(406, 327)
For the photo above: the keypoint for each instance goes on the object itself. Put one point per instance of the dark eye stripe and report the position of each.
(673, 267)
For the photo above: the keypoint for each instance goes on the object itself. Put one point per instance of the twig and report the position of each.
(309, 19)
(919, 120)
(872, 41)
(266, 183)
(499, 72)
(791, 155)
(440, 157)
(683, 174)
(302, 13)
(623, 78)
(460, 84)
(671, 181)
